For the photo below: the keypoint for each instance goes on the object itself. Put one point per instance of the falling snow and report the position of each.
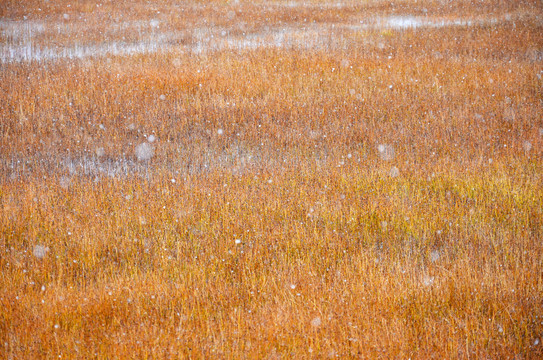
(386, 152)
(64, 182)
(40, 251)
(144, 151)
(428, 280)
(332, 209)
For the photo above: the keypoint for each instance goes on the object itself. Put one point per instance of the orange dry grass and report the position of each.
(380, 198)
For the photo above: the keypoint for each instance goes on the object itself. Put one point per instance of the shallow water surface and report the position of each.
(22, 43)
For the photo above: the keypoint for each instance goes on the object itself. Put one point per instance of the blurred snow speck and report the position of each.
(527, 146)
(316, 322)
(428, 280)
(220, 131)
(100, 152)
(386, 152)
(434, 256)
(144, 151)
(64, 182)
(394, 172)
(238, 241)
(162, 97)
(151, 138)
(40, 251)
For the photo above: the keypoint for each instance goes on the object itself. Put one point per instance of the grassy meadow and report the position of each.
(273, 180)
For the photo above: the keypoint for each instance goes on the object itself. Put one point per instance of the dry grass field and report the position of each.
(271, 180)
